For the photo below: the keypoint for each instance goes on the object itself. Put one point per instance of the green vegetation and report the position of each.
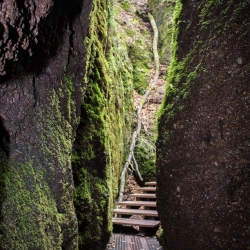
(138, 45)
(141, 67)
(125, 5)
(179, 78)
(145, 157)
(182, 72)
(105, 125)
(4, 171)
(29, 206)
(163, 13)
(38, 212)
(159, 236)
(216, 14)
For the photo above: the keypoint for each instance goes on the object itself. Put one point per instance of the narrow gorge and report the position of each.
(71, 77)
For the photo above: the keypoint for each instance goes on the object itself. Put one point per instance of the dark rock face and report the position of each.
(203, 164)
(19, 27)
(40, 102)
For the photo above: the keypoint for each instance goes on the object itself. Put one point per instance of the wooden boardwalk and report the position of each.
(133, 242)
(146, 208)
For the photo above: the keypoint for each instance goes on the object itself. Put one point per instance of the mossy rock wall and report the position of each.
(138, 41)
(203, 148)
(39, 110)
(145, 158)
(75, 87)
(105, 127)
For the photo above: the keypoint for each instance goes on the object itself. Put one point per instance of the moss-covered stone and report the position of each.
(104, 129)
(145, 157)
(38, 211)
(34, 208)
(4, 171)
(138, 43)
(202, 153)
(39, 114)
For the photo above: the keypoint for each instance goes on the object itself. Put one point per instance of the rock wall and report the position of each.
(203, 153)
(131, 16)
(67, 89)
(40, 99)
(104, 129)
(19, 25)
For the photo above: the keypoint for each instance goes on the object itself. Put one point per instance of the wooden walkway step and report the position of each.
(139, 203)
(135, 242)
(150, 183)
(133, 208)
(136, 212)
(147, 189)
(140, 223)
(143, 195)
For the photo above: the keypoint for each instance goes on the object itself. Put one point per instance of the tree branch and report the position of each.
(139, 123)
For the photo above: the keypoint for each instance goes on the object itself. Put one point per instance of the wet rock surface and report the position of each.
(203, 149)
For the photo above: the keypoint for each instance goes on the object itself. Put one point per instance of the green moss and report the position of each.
(105, 125)
(138, 45)
(183, 71)
(216, 13)
(180, 74)
(125, 5)
(179, 78)
(130, 32)
(145, 157)
(141, 68)
(167, 107)
(69, 90)
(4, 171)
(29, 206)
(159, 236)
(38, 211)
(163, 13)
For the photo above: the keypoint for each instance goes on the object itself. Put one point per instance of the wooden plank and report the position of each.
(147, 189)
(136, 212)
(143, 195)
(139, 203)
(150, 183)
(140, 223)
(133, 242)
